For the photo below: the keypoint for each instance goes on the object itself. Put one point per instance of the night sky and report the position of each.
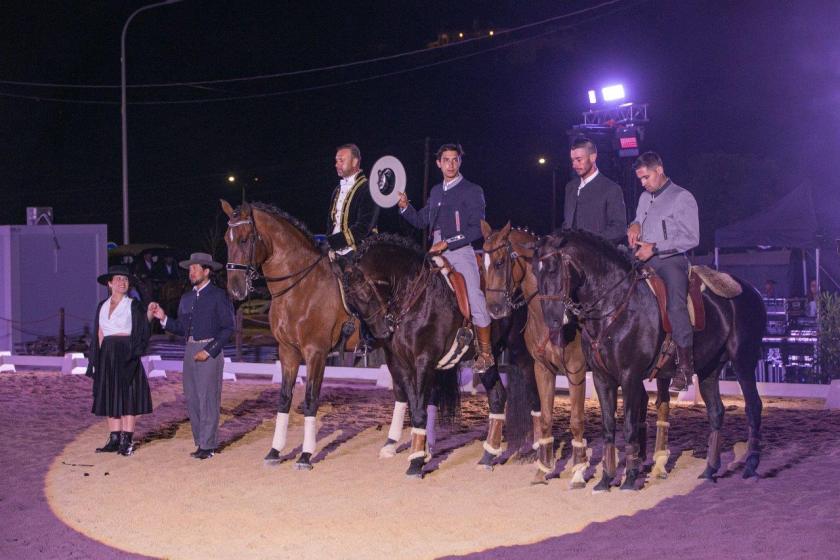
(743, 98)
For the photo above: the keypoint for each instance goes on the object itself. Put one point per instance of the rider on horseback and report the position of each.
(665, 228)
(353, 214)
(453, 215)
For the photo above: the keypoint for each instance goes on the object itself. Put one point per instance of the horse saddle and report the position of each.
(696, 311)
(699, 278)
(455, 281)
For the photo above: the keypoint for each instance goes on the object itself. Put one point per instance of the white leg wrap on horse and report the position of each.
(494, 416)
(431, 418)
(397, 421)
(281, 427)
(492, 450)
(536, 413)
(581, 443)
(661, 424)
(310, 430)
(418, 431)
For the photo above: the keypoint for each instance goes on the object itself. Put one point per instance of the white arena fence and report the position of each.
(76, 364)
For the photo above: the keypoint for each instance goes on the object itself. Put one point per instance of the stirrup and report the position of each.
(483, 362)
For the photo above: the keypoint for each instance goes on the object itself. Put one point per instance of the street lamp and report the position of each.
(123, 111)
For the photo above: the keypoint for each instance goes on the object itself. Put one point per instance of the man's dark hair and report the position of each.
(585, 143)
(354, 151)
(449, 148)
(649, 160)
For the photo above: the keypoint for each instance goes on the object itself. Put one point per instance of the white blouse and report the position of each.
(120, 320)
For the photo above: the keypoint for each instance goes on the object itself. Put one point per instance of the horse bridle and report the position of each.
(251, 269)
(513, 299)
(391, 316)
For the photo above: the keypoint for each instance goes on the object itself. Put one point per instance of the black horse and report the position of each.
(605, 291)
(408, 306)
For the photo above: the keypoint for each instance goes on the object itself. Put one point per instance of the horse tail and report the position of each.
(522, 395)
(447, 394)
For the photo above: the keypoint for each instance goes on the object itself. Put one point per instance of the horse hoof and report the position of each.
(750, 467)
(603, 486)
(576, 485)
(539, 478)
(486, 461)
(629, 485)
(303, 463)
(388, 451)
(273, 456)
(708, 474)
(415, 468)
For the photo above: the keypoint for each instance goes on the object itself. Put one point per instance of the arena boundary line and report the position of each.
(74, 363)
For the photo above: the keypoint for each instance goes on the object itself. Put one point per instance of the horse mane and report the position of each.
(389, 240)
(279, 214)
(619, 255)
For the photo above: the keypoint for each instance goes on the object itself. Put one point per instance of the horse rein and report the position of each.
(251, 269)
(393, 318)
(519, 299)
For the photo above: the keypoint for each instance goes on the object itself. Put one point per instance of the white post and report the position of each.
(717, 258)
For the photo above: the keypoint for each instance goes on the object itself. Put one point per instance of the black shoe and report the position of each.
(126, 445)
(204, 454)
(195, 453)
(685, 369)
(113, 444)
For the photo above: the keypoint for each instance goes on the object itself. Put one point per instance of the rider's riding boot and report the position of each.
(484, 360)
(685, 369)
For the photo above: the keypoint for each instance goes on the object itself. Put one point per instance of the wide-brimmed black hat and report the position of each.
(115, 270)
(200, 258)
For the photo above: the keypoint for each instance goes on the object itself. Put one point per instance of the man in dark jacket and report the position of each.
(353, 214)
(593, 202)
(453, 215)
(205, 319)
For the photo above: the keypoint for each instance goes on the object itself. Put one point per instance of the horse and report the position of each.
(408, 307)
(306, 315)
(624, 341)
(508, 257)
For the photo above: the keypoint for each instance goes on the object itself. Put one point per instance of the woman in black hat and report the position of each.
(120, 389)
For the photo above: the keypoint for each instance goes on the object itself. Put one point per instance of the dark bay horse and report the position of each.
(508, 257)
(410, 309)
(583, 275)
(306, 314)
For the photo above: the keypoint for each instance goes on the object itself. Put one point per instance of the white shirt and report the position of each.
(120, 320)
(344, 187)
(452, 183)
(584, 182)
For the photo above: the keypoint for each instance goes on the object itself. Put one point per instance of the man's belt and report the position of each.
(202, 341)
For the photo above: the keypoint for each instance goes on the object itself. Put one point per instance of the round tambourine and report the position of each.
(387, 181)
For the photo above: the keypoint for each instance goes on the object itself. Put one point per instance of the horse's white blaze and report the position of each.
(487, 262)
(539, 265)
(230, 235)
(281, 428)
(565, 318)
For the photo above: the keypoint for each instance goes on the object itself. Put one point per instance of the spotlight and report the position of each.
(231, 178)
(613, 93)
(541, 161)
(593, 99)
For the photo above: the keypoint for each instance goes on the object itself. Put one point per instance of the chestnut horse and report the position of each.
(508, 257)
(306, 313)
(582, 274)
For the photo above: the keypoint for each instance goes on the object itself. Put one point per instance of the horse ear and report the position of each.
(486, 230)
(227, 208)
(505, 230)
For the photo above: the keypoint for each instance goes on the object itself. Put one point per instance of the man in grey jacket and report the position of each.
(665, 228)
(594, 203)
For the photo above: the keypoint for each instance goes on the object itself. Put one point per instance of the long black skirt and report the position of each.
(120, 387)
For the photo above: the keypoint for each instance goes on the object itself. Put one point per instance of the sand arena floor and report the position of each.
(65, 501)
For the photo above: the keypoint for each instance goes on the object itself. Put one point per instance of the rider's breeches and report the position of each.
(463, 260)
(674, 272)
